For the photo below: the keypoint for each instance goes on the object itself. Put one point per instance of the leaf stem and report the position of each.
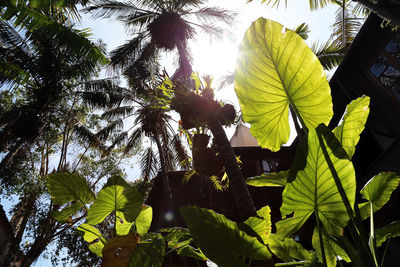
(353, 227)
(293, 263)
(372, 242)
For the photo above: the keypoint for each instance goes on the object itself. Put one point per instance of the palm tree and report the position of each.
(202, 110)
(149, 120)
(44, 68)
(158, 25)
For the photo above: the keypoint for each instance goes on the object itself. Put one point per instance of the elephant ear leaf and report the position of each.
(116, 195)
(288, 249)
(148, 254)
(91, 234)
(378, 191)
(270, 76)
(275, 179)
(143, 220)
(314, 191)
(220, 239)
(386, 232)
(68, 187)
(353, 123)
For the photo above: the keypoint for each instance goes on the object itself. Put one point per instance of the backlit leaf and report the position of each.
(116, 195)
(314, 189)
(353, 122)
(148, 254)
(143, 220)
(269, 179)
(275, 69)
(378, 191)
(288, 249)
(66, 187)
(220, 239)
(63, 215)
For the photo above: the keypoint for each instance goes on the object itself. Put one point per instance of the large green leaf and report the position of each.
(353, 122)
(288, 249)
(275, 69)
(97, 248)
(220, 239)
(66, 187)
(122, 226)
(148, 254)
(332, 250)
(63, 215)
(269, 179)
(143, 220)
(90, 233)
(179, 239)
(314, 190)
(378, 191)
(386, 232)
(262, 225)
(116, 195)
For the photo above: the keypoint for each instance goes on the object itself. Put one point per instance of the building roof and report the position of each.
(242, 137)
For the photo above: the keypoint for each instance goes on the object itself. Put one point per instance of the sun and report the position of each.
(216, 58)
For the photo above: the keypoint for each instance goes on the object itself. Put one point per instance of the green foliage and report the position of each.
(90, 234)
(269, 77)
(348, 132)
(148, 254)
(179, 239)
(115, 196)
(386, 232)
(66, 187)
(260, 226)
(269, 179)
(287, 249)
(314, 191)
(143, 220)
(331, 249)
(378, 191)
(220, 239)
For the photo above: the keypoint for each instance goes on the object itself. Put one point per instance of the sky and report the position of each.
(218, 58)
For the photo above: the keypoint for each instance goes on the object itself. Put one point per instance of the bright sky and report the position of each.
(218, 58)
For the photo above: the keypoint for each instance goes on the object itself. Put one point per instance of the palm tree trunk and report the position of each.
(165, 181)
(237, 184)
(185, 68)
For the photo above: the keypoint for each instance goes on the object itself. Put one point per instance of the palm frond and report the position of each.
(180, 154)
(360, 10)
(134, 140)
(117, 10)
(95, 99)
(119, 141)
(87, 136)
(118, 112)
(209, 14)
(112, 127)
(345, 28)
(124, 54)
(328, 54)
(148, 163)
(303, 30)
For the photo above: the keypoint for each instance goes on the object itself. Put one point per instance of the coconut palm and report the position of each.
(44, 68)
(159, 25)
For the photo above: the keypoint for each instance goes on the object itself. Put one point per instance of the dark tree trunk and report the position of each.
(185, 68)
(165, 182)
(237, 184)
